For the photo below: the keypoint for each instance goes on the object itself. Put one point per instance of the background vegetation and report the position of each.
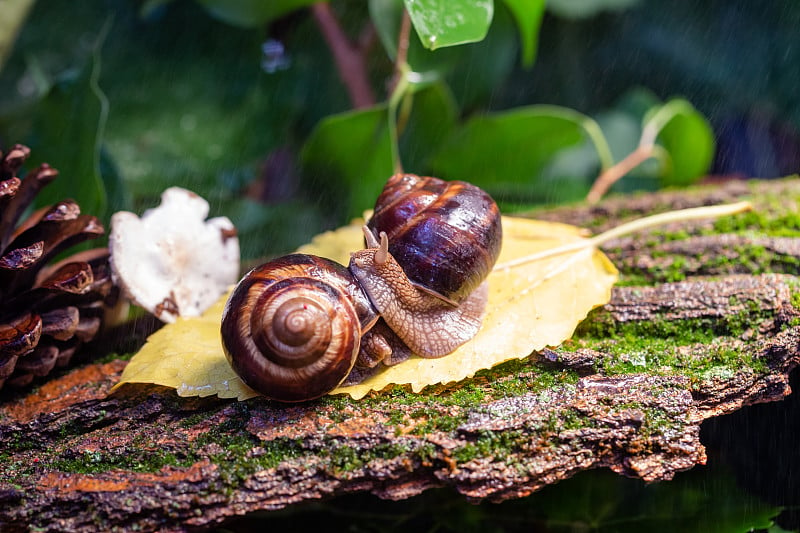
(244, 103)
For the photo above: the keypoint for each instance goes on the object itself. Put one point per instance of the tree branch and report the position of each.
(350, 58)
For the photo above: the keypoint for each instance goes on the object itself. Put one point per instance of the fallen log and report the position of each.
(705, 320)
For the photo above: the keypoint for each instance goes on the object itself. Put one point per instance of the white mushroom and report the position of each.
(172, 261)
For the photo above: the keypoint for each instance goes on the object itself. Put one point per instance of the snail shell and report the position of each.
(291, 328)
(427, 275)
(446, 235)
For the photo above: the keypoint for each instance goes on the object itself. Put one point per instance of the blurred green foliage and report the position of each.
(242, 102)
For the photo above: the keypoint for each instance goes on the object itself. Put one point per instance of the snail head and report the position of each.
(376, 254)
(374, 262)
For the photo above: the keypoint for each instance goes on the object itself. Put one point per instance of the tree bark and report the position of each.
(705, 321)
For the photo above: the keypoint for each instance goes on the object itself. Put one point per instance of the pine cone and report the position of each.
(46, 311)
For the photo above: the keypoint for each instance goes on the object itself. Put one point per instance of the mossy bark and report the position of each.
(705, 321)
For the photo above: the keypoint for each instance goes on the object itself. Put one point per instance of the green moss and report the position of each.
(135, 460)
(522, 377)
(495, 444)
(240, 454)
(193, 420)
(668, 346)
(676, 271)
(467, 395)
(743, 259)
(426, 452)
(433, 421)
(567, 420)
(14, 471)
(795, 298)
(600, 325)
(18, 442)
(765, 221)
(343, 457)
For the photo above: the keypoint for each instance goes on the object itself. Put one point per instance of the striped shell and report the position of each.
(445, 234)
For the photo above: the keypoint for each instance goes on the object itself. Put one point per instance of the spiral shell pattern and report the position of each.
(291, 328)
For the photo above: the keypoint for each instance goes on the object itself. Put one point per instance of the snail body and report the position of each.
(430, 246)
(428, 324)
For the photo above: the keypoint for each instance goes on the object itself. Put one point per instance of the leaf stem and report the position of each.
(400, 86)
(681, 215)
(401, 61)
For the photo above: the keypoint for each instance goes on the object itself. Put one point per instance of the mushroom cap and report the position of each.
(172, 261)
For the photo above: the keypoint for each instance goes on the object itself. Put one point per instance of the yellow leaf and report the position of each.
(530, 306)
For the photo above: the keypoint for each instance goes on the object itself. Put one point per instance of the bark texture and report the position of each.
(705, 321)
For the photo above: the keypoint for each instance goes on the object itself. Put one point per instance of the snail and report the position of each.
(294, 328)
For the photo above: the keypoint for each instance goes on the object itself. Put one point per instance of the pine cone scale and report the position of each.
(22, 257)
(46, 311)
(75, 278)
(61, 324)
(20, 336)
(26, 258)
(39, 363)
(13, 160)
(8, 188)
(21, 199)
(88, 327)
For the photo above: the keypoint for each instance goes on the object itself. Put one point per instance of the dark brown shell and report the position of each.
(291, 328)
(445, 234)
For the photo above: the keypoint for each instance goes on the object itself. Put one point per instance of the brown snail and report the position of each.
(293, 328)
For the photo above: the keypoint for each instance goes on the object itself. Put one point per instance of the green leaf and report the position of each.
(348, 158)
(528, 15)
(687, 138)
(71, 119)
(586, 8)
(251, 13)
(507, 153)
(494, 57)
(432, 118)
(442, 23)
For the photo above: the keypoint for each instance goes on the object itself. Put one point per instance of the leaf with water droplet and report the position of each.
(442, 23)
